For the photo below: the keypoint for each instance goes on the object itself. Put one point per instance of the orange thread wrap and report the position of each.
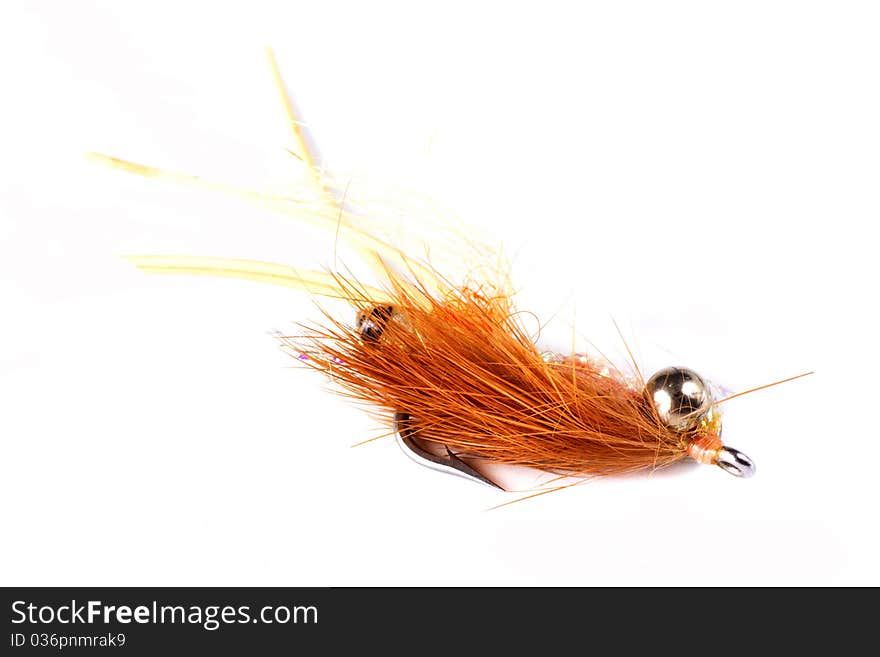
(705, 448)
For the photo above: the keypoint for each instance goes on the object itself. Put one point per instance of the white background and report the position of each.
(704, 173)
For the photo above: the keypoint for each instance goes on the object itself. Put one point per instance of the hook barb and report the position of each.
(408, 439)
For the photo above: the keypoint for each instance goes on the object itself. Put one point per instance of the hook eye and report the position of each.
(735, 462)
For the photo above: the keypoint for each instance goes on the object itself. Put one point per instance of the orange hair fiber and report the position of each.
(466, 372)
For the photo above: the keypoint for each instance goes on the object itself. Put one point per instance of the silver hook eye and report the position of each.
(735, 462)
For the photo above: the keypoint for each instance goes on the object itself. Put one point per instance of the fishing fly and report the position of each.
(453, 368)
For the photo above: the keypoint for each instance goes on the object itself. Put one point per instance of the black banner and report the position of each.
(136, 621)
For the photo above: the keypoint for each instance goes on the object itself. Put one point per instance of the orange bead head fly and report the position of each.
(451, 367)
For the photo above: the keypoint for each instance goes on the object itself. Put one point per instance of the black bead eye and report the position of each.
(680, 396)
(371, 323)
